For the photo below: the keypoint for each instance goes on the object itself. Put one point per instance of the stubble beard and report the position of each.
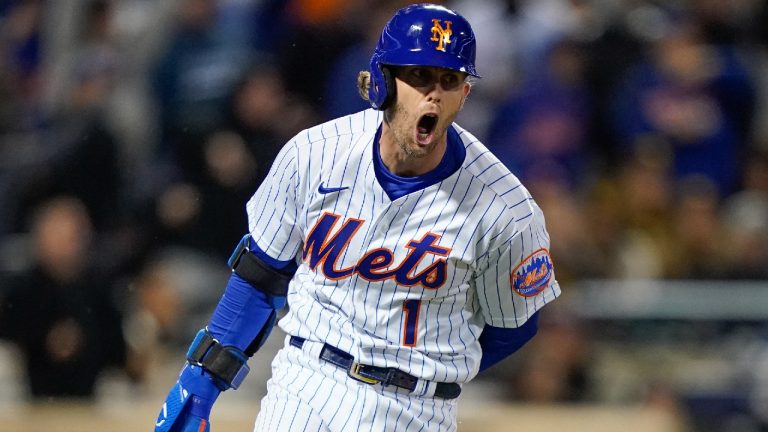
(403, 134)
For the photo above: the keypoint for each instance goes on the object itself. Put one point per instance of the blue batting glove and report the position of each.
(188, 405)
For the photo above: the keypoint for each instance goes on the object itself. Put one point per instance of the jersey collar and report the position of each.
(396, 186)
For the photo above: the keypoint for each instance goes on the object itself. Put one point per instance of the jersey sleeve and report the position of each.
(518, 277)
(273, 209)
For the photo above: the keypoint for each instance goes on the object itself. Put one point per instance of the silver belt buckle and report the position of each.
(354, 372)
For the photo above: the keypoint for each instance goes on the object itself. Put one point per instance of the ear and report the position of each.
(466, 90)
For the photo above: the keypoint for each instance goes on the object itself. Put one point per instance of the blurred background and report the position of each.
(132, 132)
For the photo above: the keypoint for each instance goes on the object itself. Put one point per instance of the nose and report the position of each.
(435, 91)
(434, 96)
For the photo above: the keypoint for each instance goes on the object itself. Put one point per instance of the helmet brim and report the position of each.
(417, 58)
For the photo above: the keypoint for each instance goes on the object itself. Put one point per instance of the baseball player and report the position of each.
(409, 257)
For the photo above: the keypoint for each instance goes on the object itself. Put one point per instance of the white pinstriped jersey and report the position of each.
(408, 283)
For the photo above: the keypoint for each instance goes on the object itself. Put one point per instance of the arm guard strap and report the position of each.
(226, 364)
(246, 262)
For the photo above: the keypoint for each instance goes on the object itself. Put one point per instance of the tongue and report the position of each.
(423, 137)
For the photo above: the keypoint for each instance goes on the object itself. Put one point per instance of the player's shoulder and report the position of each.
(485, 167)
(501, 188)
(366, 121)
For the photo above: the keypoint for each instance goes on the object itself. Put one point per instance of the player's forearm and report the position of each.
(242, 315)
(256, 289)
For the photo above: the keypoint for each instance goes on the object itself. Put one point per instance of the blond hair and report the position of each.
(363, 84)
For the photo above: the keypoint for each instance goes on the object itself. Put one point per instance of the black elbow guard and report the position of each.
(250, 267)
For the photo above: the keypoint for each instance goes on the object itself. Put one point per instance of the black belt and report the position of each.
(375, 374)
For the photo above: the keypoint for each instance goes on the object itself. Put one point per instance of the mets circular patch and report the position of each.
(532, 275)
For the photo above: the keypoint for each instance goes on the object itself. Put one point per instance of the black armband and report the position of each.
(250, 267)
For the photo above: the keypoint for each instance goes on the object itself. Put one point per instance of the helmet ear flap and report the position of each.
(382, 88)
(389, 82)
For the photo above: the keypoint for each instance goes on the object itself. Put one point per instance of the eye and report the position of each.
(420, 77)
(450, 81)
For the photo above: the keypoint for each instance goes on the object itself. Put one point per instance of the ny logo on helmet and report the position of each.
(441, 35)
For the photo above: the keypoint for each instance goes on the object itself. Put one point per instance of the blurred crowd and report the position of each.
(132, 132)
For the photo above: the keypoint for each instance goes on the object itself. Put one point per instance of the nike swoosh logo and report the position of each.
(325, 190)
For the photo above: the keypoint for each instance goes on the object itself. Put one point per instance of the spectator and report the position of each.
(645, 190)
(21, 65)
(685, 95)
(60, 312)
(232, 161)
(171, 291)
(542, 127)
(316, 34)
(698, 235)
(203, 215)
(75, 152)
(745, 221)
(21, 90)
(193, 79)
(261, 97)
(577, 251)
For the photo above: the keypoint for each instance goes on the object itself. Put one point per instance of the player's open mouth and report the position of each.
(425, 128)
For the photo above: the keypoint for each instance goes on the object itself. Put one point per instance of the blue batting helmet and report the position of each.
(420, 35)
